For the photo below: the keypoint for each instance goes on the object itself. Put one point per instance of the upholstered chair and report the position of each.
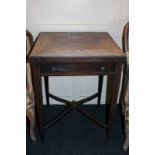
(124, 99)
(30, 109)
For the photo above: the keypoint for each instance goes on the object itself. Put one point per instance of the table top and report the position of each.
(75, 46)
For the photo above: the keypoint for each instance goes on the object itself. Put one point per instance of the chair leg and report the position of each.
(125, 80)
(126, 140)
(46, 81)
(31, 116)
(125, 110)
(100, 83)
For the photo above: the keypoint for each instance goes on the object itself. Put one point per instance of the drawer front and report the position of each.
(75, 69)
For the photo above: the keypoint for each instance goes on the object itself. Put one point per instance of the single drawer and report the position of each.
(75, 69)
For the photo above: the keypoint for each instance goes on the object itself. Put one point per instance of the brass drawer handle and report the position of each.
(53, 69)
(102, 68)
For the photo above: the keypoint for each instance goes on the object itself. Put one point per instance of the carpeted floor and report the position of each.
(76, 135)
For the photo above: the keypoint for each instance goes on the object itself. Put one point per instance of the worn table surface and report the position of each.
(79, 45)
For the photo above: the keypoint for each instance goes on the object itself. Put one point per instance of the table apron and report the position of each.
(69, 69)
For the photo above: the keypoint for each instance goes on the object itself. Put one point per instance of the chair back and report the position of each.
(29, 43)
(29, 85)
(125, 38)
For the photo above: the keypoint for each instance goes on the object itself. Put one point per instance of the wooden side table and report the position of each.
(71, 54)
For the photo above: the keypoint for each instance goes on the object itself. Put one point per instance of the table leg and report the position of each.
(46, 82)
(110, 81)
(100, 83)
(114, 95)
(38, 99)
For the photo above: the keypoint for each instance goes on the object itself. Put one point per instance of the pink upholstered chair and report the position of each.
(30, 109)
(124, 99)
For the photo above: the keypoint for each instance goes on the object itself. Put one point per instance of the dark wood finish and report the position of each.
(38, 98)
(73, 105)
(90, 117)
(74, 69)
(100, 83)
(76, 53)
(115, 90)
(64, 47)
(125, 38)
(110, 81)
(58, 117)
(29, 35)
(46, 81)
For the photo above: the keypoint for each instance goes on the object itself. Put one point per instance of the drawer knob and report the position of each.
(102, 68)
(53, 69)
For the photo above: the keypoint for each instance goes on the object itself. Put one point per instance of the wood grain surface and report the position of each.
(75, 45)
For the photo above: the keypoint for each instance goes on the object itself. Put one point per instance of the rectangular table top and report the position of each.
(75, 46)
